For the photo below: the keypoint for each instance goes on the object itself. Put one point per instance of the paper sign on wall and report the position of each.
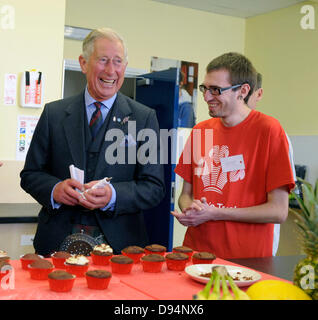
(25, 130)
(10, 89)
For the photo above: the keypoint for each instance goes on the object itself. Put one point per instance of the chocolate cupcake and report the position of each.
(77, 265)
(98, 279)
(103, 250)
(152, 262)
(203, 258)
(183, 249)
(101, 254)
(59, 257)
(178, 256)
(155, 248)
(31, 256)
(28, 258)
(61, 254)
(99, 274)
(176, 261)
(133, 252)
(41, 264)
(39, 269)
(77, 260)
(134, 249)
(153, 257)
(60, 275)
(61, 281)
(121, 264)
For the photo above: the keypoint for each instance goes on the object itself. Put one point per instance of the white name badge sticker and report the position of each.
(232, 163)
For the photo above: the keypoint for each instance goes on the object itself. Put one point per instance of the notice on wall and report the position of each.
(10, 89)
(25, 130)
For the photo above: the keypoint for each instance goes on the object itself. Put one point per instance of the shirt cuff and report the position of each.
(111, 204)
(55, 205)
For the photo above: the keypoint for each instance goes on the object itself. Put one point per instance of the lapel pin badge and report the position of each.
(126, 119)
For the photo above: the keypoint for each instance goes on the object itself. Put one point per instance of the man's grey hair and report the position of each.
(88, 43)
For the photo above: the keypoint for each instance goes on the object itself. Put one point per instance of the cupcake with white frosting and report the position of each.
(77, 265)
(101, 254)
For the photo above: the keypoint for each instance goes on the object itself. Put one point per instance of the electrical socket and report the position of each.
(27, 239)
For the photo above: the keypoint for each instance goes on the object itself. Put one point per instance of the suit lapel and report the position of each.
(75, 130)
(119, 111)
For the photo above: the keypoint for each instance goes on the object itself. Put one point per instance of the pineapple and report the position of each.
(306, 271)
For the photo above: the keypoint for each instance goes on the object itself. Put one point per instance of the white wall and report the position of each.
(306, 153)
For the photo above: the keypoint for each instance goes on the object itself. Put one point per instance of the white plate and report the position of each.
(195, 270)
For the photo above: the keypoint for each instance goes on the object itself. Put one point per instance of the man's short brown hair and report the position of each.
(240, 69)
(259, 81)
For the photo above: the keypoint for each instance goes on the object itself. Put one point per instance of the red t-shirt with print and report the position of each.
(260, 142)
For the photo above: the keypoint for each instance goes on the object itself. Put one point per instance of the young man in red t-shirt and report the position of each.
(235, 167)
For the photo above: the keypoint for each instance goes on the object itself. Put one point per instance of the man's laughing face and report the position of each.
(105, 68)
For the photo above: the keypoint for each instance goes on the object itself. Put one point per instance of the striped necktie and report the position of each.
(96, 119)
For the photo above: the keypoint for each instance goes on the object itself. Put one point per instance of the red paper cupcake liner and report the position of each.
(135, 256)
(202, 261)
(58, 262)
(162, 253)
(39, 274)
(100, 260)
(61, 285)
(78, 271)
(152, 266)
(97, 283)
(121, 268)
(176, 265)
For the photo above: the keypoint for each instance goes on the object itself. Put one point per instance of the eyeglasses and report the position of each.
(216, 91)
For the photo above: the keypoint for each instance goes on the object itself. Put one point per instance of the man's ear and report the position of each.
(83, 64)
(259, 95)
(245, 89)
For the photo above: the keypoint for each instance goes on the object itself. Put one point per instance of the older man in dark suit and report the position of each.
(73, 131)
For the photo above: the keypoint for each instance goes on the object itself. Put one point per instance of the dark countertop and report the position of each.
(279, 266)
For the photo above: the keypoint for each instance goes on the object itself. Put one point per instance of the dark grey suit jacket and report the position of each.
(59, 141)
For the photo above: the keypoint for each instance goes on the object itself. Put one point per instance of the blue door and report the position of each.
(160, 90)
